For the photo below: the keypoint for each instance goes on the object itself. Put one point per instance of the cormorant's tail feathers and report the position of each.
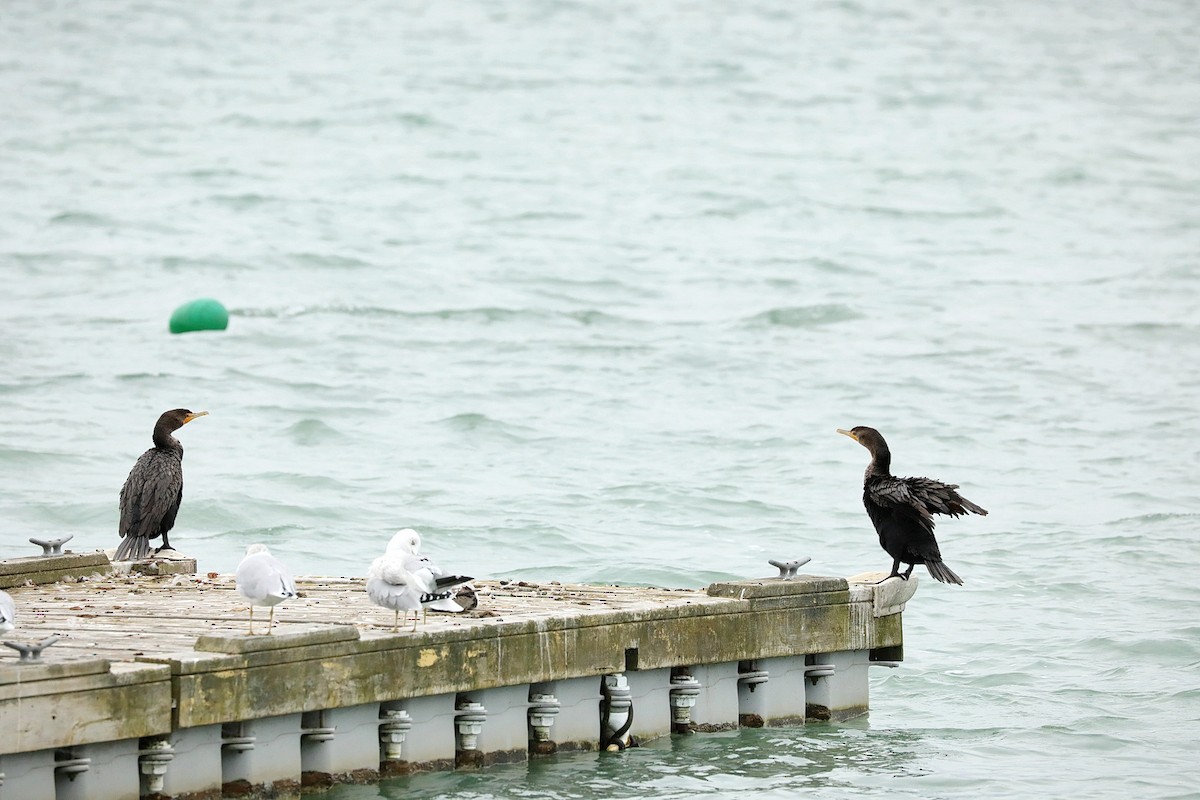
(133, 548)
(940, 572)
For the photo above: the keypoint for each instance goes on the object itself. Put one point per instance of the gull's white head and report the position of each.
(256, 548)
(405, 541)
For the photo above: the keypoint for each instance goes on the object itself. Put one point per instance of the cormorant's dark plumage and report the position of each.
(902, 509)
(153, 491)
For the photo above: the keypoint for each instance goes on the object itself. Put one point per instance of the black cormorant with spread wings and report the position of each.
(902, 509)
(154, 489)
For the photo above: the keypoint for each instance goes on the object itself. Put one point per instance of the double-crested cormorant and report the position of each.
(902, 509)
(153, 491)
(264, 580)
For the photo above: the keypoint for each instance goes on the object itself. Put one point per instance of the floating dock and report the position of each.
(155, 689)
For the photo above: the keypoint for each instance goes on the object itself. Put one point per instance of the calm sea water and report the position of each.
(581, 291)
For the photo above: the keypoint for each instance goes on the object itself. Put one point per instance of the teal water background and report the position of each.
(581, 291)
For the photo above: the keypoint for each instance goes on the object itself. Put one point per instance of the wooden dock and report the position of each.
(155, 689)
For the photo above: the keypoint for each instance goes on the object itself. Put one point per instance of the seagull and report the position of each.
(403, 581)
(443, 599)
(264, 581)
(8, 612)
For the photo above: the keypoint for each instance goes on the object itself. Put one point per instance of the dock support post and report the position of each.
(262, 752)
(431, 742)
(685, 690)
(717, 704)
(99, 771)
(616, 713)
(778, 701)
(469, 717)
(575, 726)
(505, 738)
(28, 775)
(196, 766)
(842, 690)
(753, 694)
(394, 725)
(650, 691)
(543, 710)
(154, 757)
(340, 745)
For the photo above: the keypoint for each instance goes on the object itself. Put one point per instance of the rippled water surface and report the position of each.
(581, 290)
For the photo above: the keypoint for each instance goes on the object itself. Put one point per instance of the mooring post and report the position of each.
(543, 709)
(684, 691)
(394, 725)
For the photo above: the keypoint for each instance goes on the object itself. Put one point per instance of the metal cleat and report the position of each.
(31, 653)
(52, 547)
(787, 569)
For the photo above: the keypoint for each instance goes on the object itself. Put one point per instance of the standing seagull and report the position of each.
(153, 491)
(403, 581)
(902, 509)
(263, 580)
(8, 612)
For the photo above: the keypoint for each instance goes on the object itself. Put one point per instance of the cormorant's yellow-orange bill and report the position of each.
(193, 415)
(847, 433)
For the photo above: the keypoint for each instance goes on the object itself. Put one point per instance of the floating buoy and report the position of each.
(204, 314)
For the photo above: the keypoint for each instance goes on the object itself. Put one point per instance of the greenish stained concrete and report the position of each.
(32, 675)
(82, 705)
(311, 674)
(317, 635)
(799, 586)
(51, 569)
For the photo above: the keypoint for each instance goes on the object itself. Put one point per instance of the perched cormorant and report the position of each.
(153, 491)
(902, 509)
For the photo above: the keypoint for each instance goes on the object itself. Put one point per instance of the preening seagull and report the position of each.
(403, 581)
(264, 580)
(444, 598)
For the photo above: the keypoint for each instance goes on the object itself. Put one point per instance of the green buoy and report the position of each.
(204, 314)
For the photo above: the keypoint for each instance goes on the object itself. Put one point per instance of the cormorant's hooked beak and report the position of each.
(193, 415)
(848, 433)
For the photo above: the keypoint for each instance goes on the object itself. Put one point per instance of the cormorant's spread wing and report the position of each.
(925, 495)
(891, 492)
(941, 498)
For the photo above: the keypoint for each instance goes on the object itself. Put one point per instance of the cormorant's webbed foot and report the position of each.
(893, 575)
